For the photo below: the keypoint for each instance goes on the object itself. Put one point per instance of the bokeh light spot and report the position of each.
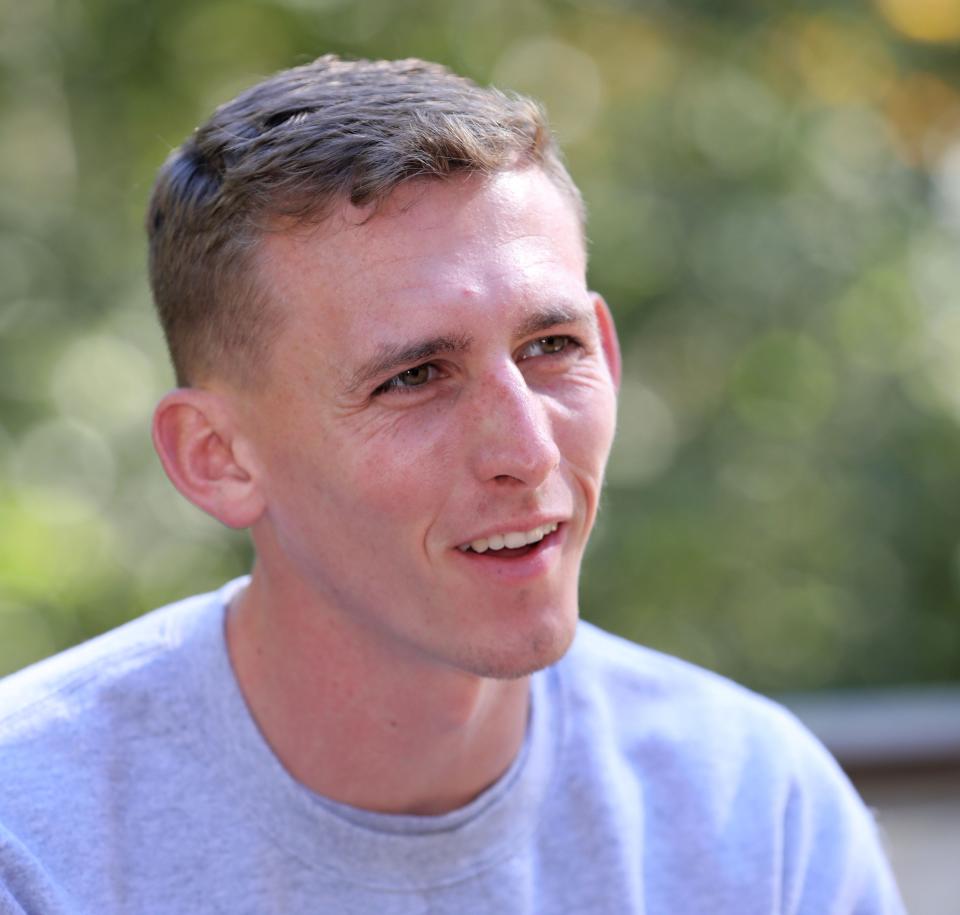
(64, 471)
(105, 380)
(646, 438)
(565, 78)
(923, 20)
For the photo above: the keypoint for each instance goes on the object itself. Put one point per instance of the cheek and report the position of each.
(349, 524)
(404, 469)
(584, 426)
(384, 488)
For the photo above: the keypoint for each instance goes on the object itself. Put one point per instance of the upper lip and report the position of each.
(507, 527)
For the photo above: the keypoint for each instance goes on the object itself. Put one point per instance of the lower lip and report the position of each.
(530, 564)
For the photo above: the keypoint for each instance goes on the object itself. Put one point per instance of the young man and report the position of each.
(372, 281)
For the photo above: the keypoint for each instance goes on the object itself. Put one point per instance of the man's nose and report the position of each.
(511, 433)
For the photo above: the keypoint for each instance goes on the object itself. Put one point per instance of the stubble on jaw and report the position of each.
(508, 662)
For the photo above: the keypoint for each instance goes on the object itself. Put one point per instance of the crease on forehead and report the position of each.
(360, 227)
(535, 289)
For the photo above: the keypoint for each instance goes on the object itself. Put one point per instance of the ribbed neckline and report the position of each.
(387, 851)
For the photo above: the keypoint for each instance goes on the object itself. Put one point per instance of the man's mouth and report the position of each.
(510, 543)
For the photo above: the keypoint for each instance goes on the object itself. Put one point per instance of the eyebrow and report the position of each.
(392, 357)
(551, 317)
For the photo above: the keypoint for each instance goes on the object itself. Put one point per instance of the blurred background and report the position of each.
(774, 195)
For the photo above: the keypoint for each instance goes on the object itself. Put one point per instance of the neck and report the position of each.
(356, 721)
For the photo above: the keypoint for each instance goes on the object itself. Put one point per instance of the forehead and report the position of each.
(436, 254)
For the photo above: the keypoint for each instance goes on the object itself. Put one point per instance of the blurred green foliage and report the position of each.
(774, 192)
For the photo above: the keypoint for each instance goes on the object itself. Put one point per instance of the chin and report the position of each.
(521, 653)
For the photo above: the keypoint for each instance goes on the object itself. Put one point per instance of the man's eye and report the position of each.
(411, 378)
(547, 346)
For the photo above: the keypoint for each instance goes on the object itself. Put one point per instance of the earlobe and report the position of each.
(608, 337)
(195, 440)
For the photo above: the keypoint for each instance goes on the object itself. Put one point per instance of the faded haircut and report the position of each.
(291, 148)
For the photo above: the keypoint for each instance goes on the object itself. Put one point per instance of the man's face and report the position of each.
(443, 381)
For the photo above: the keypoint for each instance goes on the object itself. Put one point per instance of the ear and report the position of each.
(608, 337)
(204, 458)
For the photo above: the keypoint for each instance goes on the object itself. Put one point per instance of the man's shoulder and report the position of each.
(693, 715)
(99, 743)
(87, 684)
(741, 796)
(619, 664)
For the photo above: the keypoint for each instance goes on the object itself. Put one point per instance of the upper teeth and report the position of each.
(512, 540)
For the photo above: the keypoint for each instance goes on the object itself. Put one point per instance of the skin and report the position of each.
(442, 374)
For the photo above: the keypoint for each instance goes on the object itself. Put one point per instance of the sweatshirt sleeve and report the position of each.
(834, 860)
